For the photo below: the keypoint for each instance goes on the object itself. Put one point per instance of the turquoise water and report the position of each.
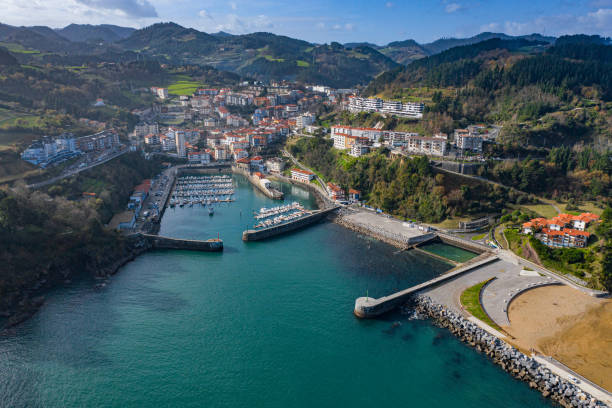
(448, 251)
(265, 324)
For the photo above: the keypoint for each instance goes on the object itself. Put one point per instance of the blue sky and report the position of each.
(378, 21)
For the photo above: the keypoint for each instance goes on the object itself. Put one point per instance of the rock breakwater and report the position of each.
(519, 365)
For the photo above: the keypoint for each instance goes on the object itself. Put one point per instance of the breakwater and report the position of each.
(511, 360)
(161, 242)
(367, 307)
(264, 233)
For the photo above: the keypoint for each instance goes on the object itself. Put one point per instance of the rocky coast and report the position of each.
(511, 360)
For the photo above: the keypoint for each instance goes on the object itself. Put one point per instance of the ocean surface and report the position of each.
(263, 324)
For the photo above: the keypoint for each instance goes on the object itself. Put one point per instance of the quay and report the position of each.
(262, 185)
(264, 233)
(160, 242)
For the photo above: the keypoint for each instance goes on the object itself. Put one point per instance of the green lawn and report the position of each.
(184, 87)
(470, 300)
(301, 63)
(479, 236)
(271, 58)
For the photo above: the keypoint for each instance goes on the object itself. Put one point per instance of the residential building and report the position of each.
(397, 108)
(301, 175)
(558, 231)
(221, 153)
(181, 148)
(143, 129)
(465, 140)
(162, 93)
(434, 146)
(152, 139)
(335, 192)
(304, 120)
(358, 150)
(354, 195)
(275, 165)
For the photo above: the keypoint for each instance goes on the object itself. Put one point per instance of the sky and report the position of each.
(323, 21)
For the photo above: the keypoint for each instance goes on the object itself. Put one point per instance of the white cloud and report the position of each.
(132, 8)
(595, 22)
(239, 25)
(389, 4)
(320, 25)
(348, 27)
(204, 14)
(233, 5)
(452, 7)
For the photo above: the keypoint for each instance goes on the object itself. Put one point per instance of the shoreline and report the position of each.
(511, 360)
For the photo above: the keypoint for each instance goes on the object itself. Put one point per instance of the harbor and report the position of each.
(290, 324)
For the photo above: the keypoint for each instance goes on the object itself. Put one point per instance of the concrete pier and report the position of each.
(264, 233)
(367, 307)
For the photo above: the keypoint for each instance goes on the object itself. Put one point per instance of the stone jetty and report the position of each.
(519, 365)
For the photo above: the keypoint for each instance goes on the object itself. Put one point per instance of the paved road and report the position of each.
(77, 170)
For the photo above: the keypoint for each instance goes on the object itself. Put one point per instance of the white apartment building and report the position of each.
(275, 165)
(371, 133)
(143, 129)
(405, 109)
(465, 140)
(301, 175)
(162, 93)
(358, 150)
(304, 120)
(181, 149)
(434, 146)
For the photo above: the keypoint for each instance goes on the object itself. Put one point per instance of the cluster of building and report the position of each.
(404, 109)
(53, 150)
(359, 140)
(335, 192)
(564, 230)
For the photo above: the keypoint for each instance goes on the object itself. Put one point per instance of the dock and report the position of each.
(264, 233)
(267, 189)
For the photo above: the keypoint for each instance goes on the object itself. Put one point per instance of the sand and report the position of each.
(568, 325)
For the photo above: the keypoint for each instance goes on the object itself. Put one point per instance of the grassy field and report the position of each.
(470, 300)
(450, 223)
(184, 87)
(17, 48)
(543, 210)
(479, 236)
(271, 58)
(304, 64)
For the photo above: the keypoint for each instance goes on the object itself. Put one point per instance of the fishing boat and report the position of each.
(211, 211)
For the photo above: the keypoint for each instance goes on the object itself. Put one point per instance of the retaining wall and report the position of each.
(161, 242)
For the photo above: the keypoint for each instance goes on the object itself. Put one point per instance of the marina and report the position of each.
(279, 215)
(204, 190)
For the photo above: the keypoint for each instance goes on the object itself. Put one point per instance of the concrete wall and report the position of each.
(257, 235)
(161, 242)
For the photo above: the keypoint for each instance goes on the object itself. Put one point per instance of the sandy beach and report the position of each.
(568, 325)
